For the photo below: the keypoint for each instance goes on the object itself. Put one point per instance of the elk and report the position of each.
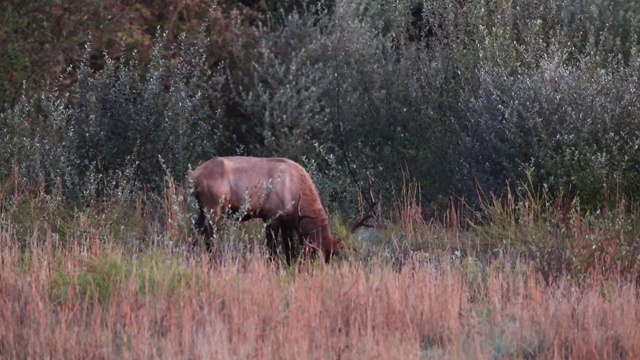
(277, 190)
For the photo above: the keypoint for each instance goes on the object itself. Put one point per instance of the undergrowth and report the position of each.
(521, 279)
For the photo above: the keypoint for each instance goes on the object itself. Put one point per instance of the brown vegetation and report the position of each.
(158, 307)
(75, 285)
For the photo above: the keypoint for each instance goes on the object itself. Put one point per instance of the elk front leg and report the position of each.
(204, 226)
(272, 238)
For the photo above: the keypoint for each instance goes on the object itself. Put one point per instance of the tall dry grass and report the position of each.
(98, 291)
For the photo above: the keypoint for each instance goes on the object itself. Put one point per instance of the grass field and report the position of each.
(530, 280)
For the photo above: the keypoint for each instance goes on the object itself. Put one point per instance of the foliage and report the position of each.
(572, 128)
(40, 39)
(468, 95)
(460, 95)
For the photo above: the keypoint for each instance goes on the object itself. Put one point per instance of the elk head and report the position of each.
(329, 245)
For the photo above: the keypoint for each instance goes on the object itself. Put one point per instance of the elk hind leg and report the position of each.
(288, 244)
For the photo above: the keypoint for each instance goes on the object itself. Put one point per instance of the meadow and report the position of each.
(502, 137)
(124, 280)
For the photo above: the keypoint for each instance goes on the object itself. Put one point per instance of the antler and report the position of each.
(370, 214)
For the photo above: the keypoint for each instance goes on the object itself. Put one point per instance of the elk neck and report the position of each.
(317, 228)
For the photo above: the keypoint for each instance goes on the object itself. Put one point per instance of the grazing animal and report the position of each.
(277, 190)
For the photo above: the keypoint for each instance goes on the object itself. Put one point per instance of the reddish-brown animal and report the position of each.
(277, 190)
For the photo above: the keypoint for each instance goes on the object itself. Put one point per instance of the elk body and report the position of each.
(277, 190)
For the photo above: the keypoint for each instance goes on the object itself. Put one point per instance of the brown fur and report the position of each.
(274, 186)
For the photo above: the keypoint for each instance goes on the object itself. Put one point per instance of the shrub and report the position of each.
(574, 128)
(117, 131)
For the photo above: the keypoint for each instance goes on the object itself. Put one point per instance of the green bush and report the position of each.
(487, 92)
(574, 128)
(117, 132)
